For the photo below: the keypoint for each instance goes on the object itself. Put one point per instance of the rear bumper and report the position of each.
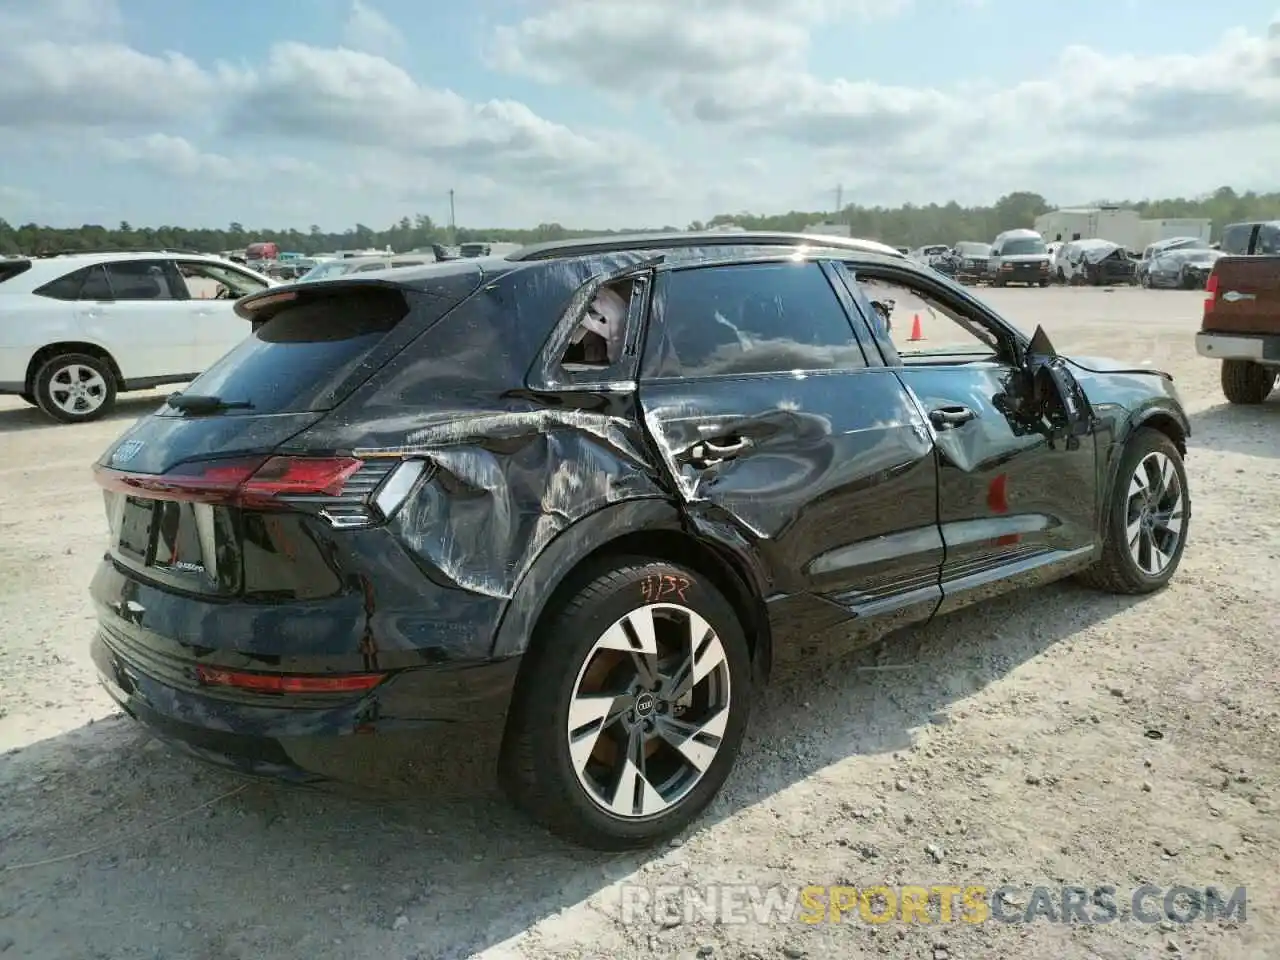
(1258, 347)
(313, 743)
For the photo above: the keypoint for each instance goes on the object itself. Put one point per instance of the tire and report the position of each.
(537, 767)
(1119, 571)
(1247, 383)
(1043, 284)
(1062, 277)
(90, 377)
(29, 398)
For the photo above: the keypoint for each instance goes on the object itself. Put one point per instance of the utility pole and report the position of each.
(839, 200)
(453, 220)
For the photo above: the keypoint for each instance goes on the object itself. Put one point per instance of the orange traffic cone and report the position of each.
(916, 332)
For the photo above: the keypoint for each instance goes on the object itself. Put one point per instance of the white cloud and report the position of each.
(369, 31)
(749, 123)
(742, 67)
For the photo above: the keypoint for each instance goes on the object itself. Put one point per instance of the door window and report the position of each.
(751, 319)
(140, 280)
(212, 281)
(925, 329)
(97, 285)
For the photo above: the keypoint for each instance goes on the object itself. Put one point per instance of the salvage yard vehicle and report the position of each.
(1018, 256)
(77, 329)
(1160, 247)
(598, 492)
(1093, 263)
(1241, 325)
(1181, 269)
(970, 259)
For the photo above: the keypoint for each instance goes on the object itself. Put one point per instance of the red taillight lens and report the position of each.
(251, 481)
(1210, 292)
(288, 683)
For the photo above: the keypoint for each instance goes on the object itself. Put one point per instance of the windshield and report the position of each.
(326, 271)
(969, 249)
(1023, 247)
(1195, 256)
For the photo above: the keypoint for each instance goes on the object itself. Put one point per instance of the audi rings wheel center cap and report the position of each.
(645, 704)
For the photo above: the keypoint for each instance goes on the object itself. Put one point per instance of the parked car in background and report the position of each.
(586, 496)
(1093, 263)
(1240, 325)
(1184, 268)
(1018, 256)
(1259, 238)
(930, 254)
(1153, 250)
(262, 252)
(332, 269)
(77, 330)
(970, 258)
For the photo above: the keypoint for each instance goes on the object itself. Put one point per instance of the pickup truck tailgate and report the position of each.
(1246, 298)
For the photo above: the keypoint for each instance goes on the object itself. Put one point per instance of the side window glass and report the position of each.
(599, 339)
(209, 281)
(924, 329)
(97, 286)
(140, 280)
(756, 318)
(65, 287)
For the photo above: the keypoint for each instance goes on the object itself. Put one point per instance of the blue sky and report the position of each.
(610, 113)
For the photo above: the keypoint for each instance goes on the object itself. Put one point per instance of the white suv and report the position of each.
(76, 329)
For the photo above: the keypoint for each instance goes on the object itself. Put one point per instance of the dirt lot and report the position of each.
(1058, 737)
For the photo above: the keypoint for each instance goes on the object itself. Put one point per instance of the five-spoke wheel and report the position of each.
(631, 706)
(1145, 526)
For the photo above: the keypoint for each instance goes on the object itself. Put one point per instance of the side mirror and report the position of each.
(1052, 400)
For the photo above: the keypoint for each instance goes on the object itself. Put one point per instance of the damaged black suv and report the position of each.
(597, 491)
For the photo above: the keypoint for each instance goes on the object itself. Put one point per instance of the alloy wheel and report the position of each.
(1154, 518)
(77, 389)
(650, 707)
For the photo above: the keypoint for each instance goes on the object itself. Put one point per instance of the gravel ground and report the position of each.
(1052, 737)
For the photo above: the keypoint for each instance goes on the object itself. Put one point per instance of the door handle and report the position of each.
(946, 417)
(708, 452)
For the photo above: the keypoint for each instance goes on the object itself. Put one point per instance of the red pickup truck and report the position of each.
(1241, 325)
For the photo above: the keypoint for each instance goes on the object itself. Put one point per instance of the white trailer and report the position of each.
(1153, 231)
(1120, 226)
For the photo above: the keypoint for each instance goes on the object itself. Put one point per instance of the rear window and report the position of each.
(308, 356)
(11, 268)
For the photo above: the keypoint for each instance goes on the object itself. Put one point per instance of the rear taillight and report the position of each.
(286, 682)
(1211, 292)
(345, 491)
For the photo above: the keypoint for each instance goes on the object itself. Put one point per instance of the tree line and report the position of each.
(909, 226)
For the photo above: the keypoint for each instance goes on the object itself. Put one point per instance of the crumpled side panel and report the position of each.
(504, 486)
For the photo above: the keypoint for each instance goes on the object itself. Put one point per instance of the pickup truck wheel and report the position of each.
(75, 388)
(630, 708)
(1146, 521)
(1246, 382)
(29, 398)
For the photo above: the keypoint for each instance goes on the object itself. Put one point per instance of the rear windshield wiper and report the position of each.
(196, 403)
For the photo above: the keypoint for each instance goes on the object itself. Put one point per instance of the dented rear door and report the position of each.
(768, 415)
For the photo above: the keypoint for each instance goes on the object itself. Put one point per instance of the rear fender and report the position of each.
(616, 524)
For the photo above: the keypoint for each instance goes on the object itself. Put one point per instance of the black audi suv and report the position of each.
(594, 492)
